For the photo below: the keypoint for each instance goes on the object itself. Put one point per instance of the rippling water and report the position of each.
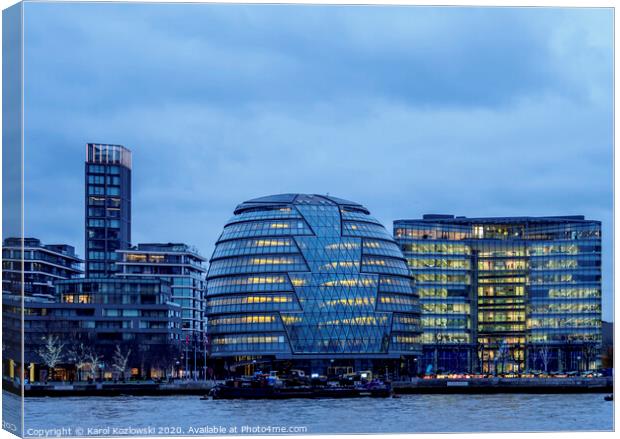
(410, 413)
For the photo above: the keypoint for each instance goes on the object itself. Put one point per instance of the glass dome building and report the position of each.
(312, 280)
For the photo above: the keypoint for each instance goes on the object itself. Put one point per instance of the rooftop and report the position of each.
(29, 243)
(287, 199)
(106, 153)
(451, 219)
(161, 247)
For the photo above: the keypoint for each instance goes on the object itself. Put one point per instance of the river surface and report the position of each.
(188, 415)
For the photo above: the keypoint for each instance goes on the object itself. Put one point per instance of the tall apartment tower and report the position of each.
(108, 207)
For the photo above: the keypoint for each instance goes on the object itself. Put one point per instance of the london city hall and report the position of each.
(312, 282)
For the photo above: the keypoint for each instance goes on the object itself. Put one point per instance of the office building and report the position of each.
(506, 295)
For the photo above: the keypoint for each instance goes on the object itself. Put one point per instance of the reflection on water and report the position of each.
(410, 413)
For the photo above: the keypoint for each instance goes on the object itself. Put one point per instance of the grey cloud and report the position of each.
(407, 110)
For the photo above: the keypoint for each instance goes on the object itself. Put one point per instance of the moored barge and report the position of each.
(266, 387)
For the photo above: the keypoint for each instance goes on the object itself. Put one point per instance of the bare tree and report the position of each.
(590, 352)
(163, 357)
(51, 352)
(480, 351)
(500, 357)
(79, 354)
(92, 360)
(545, 355)
(120, 360)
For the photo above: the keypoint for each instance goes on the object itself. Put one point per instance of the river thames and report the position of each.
(187, 415)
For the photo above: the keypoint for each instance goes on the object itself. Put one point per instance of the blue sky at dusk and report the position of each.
(407, 110)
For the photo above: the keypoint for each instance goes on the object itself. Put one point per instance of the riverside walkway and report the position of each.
(414, 385)
(506, 385)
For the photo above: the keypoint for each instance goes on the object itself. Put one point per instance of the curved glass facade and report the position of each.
(309, 277)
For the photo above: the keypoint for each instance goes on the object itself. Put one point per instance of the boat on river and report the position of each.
(271, 387)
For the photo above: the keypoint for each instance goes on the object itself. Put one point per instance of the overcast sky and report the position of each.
(407, 110)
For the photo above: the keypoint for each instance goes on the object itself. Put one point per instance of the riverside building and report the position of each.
(108, 207)
(136, 315)
(29, 271)
(179, 264)
(40, 265)
(314, 281)
(149, 300)
(506, 295)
